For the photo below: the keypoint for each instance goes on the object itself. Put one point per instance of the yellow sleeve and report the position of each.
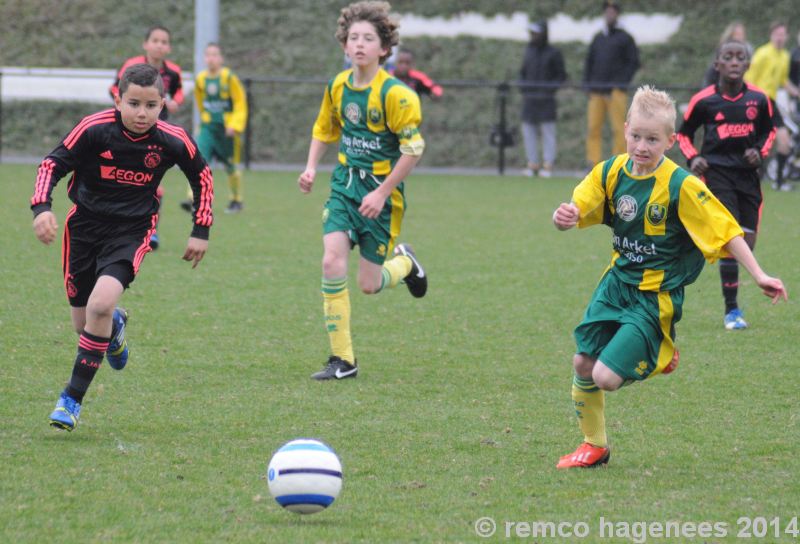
(590, 198)
(753, 74)
(326, 127)
(708, 222)
(238, 117)
(200, 95)
(403, 117)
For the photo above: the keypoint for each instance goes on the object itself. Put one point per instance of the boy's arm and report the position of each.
(692, 119)
(316, 151)
(403, 117)
(765, 129)
(238, 117)
(707, 221)
(201, 181)
(199, 96)
(771, 287)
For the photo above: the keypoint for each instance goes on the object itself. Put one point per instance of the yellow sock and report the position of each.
(336, 304)
(235, 185)
(590, 407)
(395, 270)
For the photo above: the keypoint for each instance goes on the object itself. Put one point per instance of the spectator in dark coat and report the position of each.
(543, 65)
(611, 62)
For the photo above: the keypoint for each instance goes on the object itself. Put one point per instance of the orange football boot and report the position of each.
(673, 364)
(586, 456)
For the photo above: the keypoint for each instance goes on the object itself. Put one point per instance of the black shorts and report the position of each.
(95, 247)
(739, 190)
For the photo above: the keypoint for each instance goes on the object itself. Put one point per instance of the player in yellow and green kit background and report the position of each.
(376, 119)
(665, 224)
(222, 103)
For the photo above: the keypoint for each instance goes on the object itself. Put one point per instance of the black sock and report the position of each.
(729, 274)
(91, 350)
(781, 165)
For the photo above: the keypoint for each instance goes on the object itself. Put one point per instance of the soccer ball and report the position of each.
(305, 476)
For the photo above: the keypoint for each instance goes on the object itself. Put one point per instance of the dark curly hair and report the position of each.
(373, 12)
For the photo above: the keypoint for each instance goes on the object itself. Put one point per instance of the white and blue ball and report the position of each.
(305, 476)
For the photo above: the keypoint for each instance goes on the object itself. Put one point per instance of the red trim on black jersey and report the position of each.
(179, 133)
(203, 217)
(708, 91)
(687, 147)
(105, 116)
(44, 178)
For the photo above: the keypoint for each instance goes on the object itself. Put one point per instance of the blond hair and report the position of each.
(651, 102)
(376, 13)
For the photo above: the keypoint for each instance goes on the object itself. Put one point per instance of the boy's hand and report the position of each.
(172, 106)
(45, 227)
(372, 204)
(752, 156)
(773, 288)
(195, 250)
(566, 216)
(306, 180)
(699, 166)
(230, 132)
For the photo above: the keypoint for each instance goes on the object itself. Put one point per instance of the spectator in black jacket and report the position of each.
(543, 65)
(611, 62)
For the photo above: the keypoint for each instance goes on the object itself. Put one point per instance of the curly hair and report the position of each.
(376, 13)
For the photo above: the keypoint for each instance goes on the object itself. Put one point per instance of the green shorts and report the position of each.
(375, 237)
(630, 331)
(214, 144)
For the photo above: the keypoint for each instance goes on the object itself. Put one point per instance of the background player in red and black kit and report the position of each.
(738, 133)
(156, 47)
(419, 81)
(118, 158)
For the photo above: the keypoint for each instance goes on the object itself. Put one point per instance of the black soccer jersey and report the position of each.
(731, 125)
(116, 173)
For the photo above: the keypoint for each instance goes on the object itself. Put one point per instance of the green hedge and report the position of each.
(295, 38)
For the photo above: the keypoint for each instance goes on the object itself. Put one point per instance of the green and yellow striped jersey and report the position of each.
(664, 224)
(374, 124)
(221, 99)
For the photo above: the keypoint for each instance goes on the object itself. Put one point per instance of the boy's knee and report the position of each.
(100, 309)
(605, 378)
(583, 365)
(368, 286)
(333, 266)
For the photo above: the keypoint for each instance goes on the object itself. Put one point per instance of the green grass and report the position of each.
(460, 410)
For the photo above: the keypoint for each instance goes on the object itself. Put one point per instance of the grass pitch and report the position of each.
(462, 404)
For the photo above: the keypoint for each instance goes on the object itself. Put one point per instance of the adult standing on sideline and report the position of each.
(543, 64)
(611, 62)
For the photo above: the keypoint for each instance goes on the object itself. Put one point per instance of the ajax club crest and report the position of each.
(152, 159)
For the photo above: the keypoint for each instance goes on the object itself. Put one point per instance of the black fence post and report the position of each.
(503, 91)
(247, 130)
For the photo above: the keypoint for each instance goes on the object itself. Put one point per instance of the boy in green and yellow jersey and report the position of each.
(222, 102)
(665, 224)
(375, 118)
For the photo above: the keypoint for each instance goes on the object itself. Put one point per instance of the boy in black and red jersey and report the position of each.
(117, 158)
(156, 47)
(737, 118)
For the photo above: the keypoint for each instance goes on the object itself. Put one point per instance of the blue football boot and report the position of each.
(117, 354)
(66, 414)
(154, 241)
